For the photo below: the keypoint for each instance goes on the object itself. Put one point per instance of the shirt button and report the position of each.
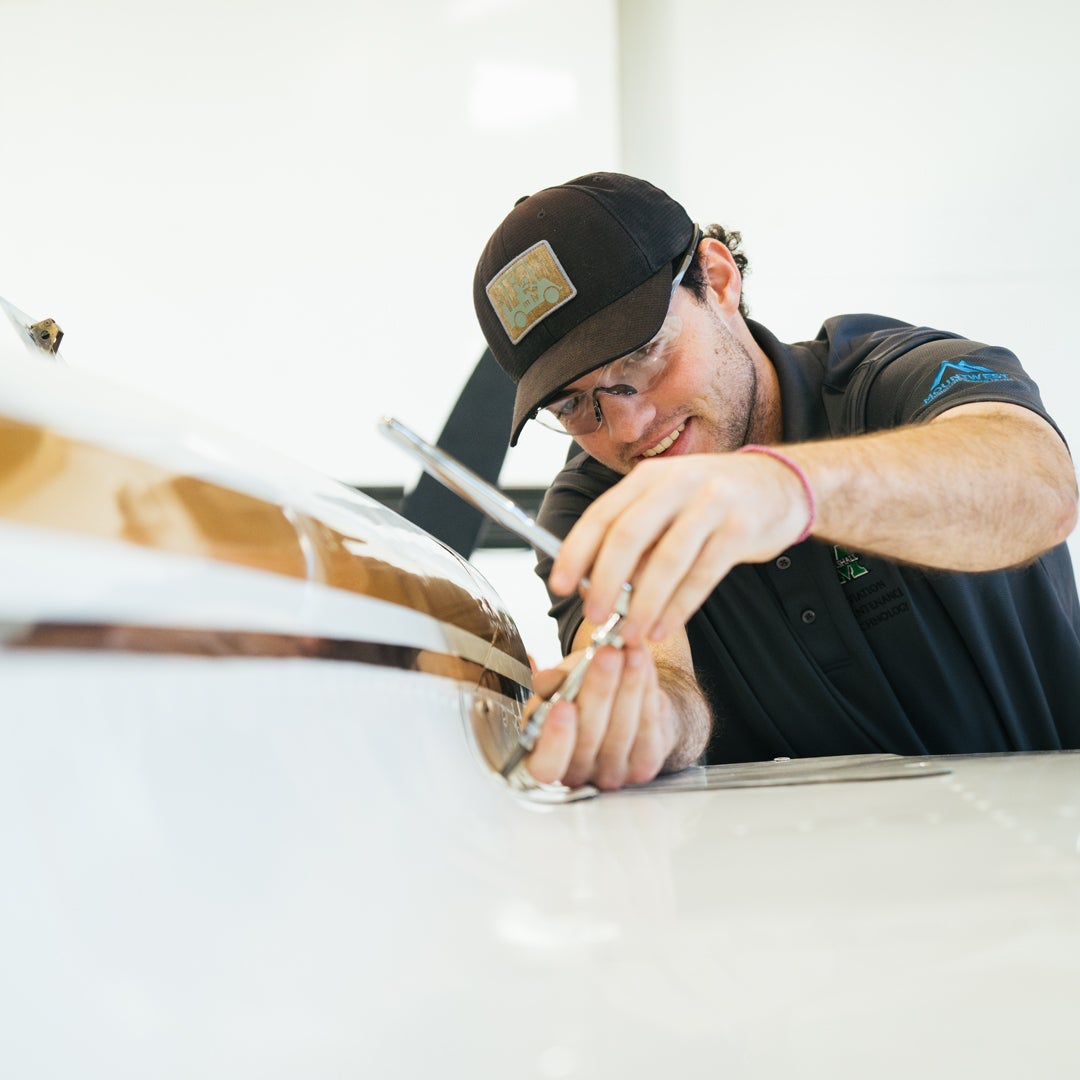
(783, 562)
(808, 616)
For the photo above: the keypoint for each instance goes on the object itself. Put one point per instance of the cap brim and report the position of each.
(614, 331)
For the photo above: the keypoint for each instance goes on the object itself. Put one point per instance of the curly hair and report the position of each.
(694, 279)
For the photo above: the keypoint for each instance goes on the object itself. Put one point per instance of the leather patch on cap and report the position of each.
(528, 289)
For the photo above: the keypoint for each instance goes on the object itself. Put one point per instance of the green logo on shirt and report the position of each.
(847, 564)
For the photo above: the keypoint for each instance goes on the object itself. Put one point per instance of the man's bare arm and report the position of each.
(983, 486)
(694, 716)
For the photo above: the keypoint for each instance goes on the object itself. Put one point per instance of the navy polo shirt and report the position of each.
(827, 651)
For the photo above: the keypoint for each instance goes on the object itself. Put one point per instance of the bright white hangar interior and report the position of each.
(270, 213)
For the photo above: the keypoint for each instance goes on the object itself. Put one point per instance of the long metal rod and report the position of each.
(474, 489)
(477, 491)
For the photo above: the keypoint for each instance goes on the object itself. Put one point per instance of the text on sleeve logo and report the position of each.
(953, 372)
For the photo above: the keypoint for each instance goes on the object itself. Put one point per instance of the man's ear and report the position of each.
(720, 274)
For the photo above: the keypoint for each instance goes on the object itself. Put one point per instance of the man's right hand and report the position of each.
(675, 527)
(621, 728)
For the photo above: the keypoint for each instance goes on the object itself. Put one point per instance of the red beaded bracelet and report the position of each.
(772, 452)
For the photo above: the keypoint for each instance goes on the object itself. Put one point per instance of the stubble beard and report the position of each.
(728, 413)
(731, 415)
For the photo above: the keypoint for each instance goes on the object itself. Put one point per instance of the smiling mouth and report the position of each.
(665, 443)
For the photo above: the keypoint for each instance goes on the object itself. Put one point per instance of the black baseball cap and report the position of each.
(576, 276)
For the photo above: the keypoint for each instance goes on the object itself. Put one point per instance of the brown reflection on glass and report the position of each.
(344, 569)
(30, 458)
(189, 641)
(51, 481)
(189, 515)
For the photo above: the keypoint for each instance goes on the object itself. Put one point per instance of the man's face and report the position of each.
(705, 401)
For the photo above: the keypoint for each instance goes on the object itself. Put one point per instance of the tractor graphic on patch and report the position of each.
(530, 292)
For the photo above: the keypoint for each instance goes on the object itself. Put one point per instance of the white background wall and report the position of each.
(270, 211)
(920, 160)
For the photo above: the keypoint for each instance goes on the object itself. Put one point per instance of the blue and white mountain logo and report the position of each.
(952, 372)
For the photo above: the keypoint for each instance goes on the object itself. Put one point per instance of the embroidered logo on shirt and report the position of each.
(952, 372)
(848, 566)
(874, 601)
(528, 289)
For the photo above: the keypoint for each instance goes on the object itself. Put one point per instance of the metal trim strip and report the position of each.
(186, 641)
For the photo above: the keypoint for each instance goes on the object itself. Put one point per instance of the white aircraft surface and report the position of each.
(254, 827)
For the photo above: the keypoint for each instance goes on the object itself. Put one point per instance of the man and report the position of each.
(850, 545)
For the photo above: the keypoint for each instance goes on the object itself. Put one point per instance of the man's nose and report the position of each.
(627, 416)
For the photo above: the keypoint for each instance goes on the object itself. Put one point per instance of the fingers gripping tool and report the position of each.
(606, 634)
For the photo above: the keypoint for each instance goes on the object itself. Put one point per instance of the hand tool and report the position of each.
(477, 491)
